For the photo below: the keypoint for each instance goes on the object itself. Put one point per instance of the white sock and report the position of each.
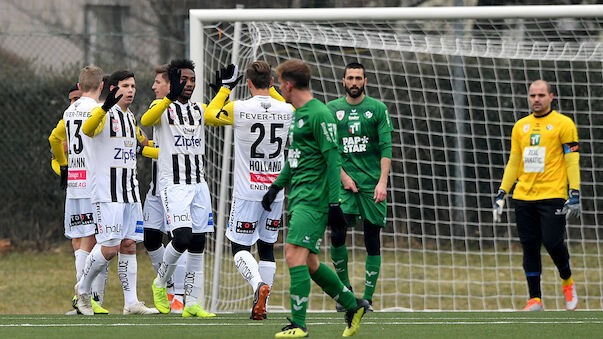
(156, 257)
(98, 285)
(167, 267)
(179, 274)
(248, 267)
(267, 270)
(95, 262)
(80, 262)
(193, 282)
(127, 268)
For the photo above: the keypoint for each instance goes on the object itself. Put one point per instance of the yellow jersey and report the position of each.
(540, 144)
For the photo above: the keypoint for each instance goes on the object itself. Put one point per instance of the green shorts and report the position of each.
(307, 228)
(363, 204)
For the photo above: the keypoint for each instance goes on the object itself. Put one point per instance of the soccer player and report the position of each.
(544, 161)
(74, 172)
(365, 144)
(184, 192)
(313, 170)
(260, 133)
(112, 141)
(154, 216)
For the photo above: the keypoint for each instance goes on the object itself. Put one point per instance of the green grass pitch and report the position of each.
(382, 325)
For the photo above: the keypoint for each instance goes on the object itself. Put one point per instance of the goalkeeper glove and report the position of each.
(64, 174)
(215, 86)
(336, 219)
(499, 203)
(228, 75)
(176, 86)
(269, 197)
(572, 205)
(111, 99)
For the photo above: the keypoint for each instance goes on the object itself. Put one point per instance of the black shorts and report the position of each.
(540, 221)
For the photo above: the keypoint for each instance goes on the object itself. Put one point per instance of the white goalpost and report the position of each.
(455, 80)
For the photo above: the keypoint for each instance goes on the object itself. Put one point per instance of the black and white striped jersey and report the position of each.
(114, 159)
(182, 135)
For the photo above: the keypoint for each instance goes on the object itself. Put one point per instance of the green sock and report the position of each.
(339, 255)
(373, 266)
(328, 281)
(299, 292)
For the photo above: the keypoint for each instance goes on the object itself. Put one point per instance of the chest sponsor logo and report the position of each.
(246, 227)
(534, 139)
(354, 144)
(340, 115)
(81, 219)
(354, 127)
(186, 142)
(534, 159)
(368, 114)
(526, 128)
(273, 224)
(124, 154)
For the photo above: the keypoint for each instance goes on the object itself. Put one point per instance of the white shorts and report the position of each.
(152, 211)
(249, 221)
(79, 218)
(188, 206)
(116, 221)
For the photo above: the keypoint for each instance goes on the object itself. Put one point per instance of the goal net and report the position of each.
(455, 81)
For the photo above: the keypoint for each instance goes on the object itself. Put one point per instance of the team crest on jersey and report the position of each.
(171, 113)
(549, 127)
(340, 115)
(115, 124)
(300, 123)
(526, 128)
(368, 114)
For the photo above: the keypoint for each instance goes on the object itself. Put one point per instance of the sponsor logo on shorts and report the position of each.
(81, 219)
(273, 224)
(246, 227)
(108, 229)
(210, 219)
(317, 246)
(178, 218)
(139, 227)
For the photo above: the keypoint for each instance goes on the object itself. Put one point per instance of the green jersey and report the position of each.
(364, 137)
(312, 134)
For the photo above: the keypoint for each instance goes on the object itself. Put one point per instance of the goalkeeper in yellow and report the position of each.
(544, 161)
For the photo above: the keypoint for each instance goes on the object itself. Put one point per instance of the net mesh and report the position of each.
(454, 89)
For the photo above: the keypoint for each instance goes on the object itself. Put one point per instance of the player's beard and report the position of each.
(354, 95)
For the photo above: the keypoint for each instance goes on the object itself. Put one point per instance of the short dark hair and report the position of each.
(296, 71)
(120, 75)
(73, 88)
(354, 65)
(259, 74)
(181, 63)
(105, 92)
(163, 70)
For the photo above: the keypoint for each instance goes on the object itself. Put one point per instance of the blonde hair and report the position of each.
(90, 78)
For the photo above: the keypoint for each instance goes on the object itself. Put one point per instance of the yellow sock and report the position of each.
(537, 299)
(567, 282)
